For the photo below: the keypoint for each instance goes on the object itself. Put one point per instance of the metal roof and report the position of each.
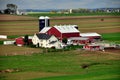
(43, 36)
(44, 17)
(41, 17)
(89, 34)
(67, 28)
(77, 38)
(45, 29)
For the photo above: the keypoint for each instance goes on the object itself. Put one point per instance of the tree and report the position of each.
(7, 11)
(26, 40)
(64, 40)
(12, 7)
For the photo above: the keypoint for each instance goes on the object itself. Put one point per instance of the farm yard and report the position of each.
(69, 65)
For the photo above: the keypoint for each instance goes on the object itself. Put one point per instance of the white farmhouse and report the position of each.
(46, 41)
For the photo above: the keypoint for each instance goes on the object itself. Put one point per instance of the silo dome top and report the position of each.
(41, 17)
(46, 17)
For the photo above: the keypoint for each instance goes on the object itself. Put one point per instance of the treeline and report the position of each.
(85, 10)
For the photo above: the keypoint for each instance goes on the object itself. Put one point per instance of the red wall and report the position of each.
(87, 47)
(55, 32)
(68, 35)
(92, 37)
(20, 41)
(81, 41)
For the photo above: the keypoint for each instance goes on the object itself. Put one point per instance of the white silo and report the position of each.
(47, 21)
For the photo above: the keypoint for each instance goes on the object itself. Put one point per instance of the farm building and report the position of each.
(106, 44)
(46, 41)
(45, 29)
(20, 41)
(93, 47)
(92, 36)
(3, 36)
(8, 42)
(77, 41)
(43, 22)
(69, 32)
(61, 31)
(64, 31)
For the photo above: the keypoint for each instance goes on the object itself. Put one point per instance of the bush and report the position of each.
(1, 42)
(73, 47)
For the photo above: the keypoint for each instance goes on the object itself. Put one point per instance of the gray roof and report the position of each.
(77, 38)
(89, 34)
(43, 36)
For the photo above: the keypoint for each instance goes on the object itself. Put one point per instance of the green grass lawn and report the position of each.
(67, 62)
(97, 75)
(113, 37)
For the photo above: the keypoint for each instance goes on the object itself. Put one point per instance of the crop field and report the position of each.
(19, 63)
(22, 25)
(37, 14)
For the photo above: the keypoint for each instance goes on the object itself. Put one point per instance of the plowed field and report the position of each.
(21, 25)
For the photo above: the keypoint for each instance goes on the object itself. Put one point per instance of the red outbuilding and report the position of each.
(64, 31)
(92, 36)
(20, 41)
(77, 41)
(92, 47)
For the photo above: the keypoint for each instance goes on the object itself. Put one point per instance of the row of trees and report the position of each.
(11, 9)
(84, 10)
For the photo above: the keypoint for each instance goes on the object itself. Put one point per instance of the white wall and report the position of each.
(35, 39)
(45, 43)
(8, 42)
(3, 36)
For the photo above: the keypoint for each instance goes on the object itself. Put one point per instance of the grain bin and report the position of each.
(43, 22)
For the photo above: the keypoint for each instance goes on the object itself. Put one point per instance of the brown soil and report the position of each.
(21, 25)
(5, 17)
(15, 50)
(30, 75)
(84, 17)
(113, 50)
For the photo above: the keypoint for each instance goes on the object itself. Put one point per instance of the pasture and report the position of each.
(112, 37)
(64, 65)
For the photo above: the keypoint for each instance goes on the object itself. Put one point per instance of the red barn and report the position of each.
(64, 31)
